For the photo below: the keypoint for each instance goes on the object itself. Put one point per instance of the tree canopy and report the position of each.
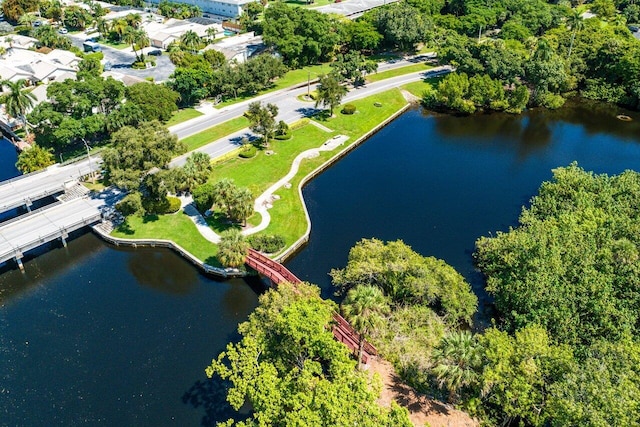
(294, 372)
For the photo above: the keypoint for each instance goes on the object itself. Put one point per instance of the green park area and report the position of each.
(215, 132)
(260, 172)
(182, 116)
(395, 72)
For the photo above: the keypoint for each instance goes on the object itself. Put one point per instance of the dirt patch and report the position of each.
(422, 410)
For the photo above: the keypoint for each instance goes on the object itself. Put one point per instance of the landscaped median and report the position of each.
(288, 215)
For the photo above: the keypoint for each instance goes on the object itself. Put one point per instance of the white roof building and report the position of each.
(36, 67)
(229, 8)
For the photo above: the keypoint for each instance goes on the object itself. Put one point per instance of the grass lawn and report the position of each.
(291, 78)
(182, 116)
(177, 227)
(417, 88)
(215, 132)
(398, 72)
(261, 171)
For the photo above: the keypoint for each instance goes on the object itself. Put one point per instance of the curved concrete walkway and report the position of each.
(264, 202)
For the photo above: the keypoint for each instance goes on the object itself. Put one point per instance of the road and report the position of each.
(121, 60)
(25, 189)
(290, 110)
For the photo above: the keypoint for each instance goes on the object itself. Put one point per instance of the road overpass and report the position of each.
(52, 222)
(25, 189)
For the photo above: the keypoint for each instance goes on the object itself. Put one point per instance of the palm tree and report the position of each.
(103, 26)
(17, 101)
(364, 307)
(330, 92)
(211, 32)
(576, 23)
(119, 27)
(133, 19)
(190, 41)
(27, 19)
(136, 38)
(242, 205)
(232, 249)
(457, 361)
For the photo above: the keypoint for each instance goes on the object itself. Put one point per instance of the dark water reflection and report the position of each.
(440, 182)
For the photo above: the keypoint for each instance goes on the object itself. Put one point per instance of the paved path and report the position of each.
(264, 202)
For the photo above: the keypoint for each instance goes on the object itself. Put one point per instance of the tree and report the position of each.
(156, 101)
(605, 9)
(27, 19)
(576, 23)
(232, 249)
(34, 158)
(353, 67)
(457, 361)
(330, 92)
(190, 41)
(364, 308)
(242, 205)
(135, 151)
(191, 83)
(570, 265)
(292, 371)
(236, 202)
(14, 9)
(407, 277)
(262, 120)
(136, 38)
(518, 373)
(196, 170)
(18, 101)
(402, 26)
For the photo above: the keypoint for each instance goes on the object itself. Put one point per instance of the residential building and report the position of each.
(228, 8)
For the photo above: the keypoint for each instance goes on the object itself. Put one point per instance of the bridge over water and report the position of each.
(278, 273)
(25, 189)
(52, 222)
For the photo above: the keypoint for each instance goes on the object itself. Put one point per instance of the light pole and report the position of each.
(93, 178)
(308, 84)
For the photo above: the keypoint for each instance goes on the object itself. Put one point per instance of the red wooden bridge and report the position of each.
(278, 273)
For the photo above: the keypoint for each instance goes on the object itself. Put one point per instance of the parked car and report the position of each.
(63, 31)
(155, 52)
(37, 23)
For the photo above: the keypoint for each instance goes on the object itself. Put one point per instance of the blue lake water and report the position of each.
(92, 334)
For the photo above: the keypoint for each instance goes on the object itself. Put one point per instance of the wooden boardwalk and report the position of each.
(278, 273)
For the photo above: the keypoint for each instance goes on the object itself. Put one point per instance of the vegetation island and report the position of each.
(564, 345)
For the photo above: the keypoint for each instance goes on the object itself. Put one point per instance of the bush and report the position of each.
(131, 205)
(268, 243)
(349, 109)
(283, 137)
(153, 206)
(248, 151)
(174, 204)
(203, 196)
(139, 65)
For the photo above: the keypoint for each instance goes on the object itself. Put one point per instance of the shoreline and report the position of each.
(286, 253)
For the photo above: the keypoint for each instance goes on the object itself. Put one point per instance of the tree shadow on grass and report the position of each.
(125, 228)
(213, 262)
(219, 222)
(150, 218)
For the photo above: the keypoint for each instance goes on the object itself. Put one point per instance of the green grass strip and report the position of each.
(395, 72)
(215, 132)
(182, 116)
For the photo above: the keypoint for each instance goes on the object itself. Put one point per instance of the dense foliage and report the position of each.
(294, 372)
(572, 264)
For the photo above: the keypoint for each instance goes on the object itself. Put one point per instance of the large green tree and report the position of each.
(292, 371)
(34, 158)
(232, 249)
(330, 91)
(136, 151)
(407, 277)
(262, 120)
(457, 361)
(156, 102)
(572, 263)
(18, 101)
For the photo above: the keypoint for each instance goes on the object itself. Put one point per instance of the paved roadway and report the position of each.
(32, 230)
(290, 110)
(28, 188)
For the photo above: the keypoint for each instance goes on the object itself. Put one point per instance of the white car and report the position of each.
(63, 31)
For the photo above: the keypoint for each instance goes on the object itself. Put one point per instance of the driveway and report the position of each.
(121, 60)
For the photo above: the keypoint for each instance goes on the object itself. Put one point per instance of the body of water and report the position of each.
(92, 334)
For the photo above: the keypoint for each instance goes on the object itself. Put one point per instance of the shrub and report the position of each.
(349, 109)
(248, 151)
(139, 65)
(283, 137)
(174, 204)
(203, 196)
(155, 206)
(131, 205)
(268, 243)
